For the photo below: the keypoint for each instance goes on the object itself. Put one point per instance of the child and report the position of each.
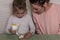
(21, 20)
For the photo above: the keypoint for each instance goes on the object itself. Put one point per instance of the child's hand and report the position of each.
(12, 31)
(28, 35)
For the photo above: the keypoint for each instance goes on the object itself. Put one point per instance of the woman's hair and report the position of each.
(21, 4)
(40, 2)
(33, 1)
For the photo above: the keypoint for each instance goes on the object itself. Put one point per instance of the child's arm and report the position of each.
(31, 25)
(32, 28)
(8, 27)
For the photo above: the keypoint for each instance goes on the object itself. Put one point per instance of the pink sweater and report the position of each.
(48, 22)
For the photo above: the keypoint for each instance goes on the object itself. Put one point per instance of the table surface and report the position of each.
(34, 37)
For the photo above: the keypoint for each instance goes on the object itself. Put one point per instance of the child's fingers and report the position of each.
(12, 31)
(27, 35)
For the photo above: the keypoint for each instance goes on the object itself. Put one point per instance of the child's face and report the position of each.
(19, 13)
